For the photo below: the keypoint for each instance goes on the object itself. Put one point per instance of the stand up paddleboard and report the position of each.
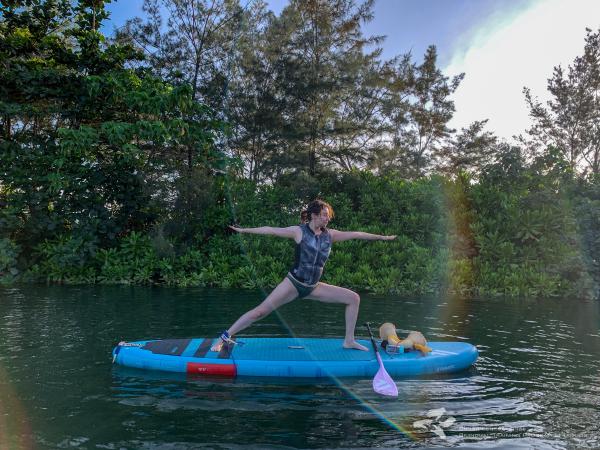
(289, 357)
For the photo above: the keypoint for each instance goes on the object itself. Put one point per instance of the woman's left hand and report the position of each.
(388, 238)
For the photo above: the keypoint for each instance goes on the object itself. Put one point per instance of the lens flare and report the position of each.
(15, 431)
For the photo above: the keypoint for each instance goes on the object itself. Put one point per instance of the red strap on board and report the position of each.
(227, 370)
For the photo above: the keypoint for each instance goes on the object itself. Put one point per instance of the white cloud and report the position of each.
(510, 52)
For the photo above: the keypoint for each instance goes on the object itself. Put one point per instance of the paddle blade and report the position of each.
(383, 383)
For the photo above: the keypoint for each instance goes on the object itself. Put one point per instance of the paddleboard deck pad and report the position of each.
(288, 357)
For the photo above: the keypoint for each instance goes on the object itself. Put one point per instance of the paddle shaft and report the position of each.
(368, 325)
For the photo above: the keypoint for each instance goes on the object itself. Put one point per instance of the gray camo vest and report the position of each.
(311, 254)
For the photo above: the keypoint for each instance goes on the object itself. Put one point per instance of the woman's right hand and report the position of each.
(236, 229)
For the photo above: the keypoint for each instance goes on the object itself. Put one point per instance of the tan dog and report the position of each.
(414, 340)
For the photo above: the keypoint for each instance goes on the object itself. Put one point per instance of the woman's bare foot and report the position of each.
(355, 345)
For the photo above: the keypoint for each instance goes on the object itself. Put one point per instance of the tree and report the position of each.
(254, 106)
(570, 120)
(357, 128)
(418, 108)
(89, 148)
(188, 41)
(322, 61)
(193, 47)
(468, 151)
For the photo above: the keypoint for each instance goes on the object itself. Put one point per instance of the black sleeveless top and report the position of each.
(311, 254)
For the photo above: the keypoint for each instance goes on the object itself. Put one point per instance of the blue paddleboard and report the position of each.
(289, 357)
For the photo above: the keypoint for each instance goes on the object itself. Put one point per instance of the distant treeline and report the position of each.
(122, 160)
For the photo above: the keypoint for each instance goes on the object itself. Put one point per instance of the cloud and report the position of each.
(513, 50)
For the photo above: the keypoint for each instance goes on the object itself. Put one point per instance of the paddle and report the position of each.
(382, 383)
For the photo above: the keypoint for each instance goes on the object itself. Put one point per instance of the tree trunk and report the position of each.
(8, 126)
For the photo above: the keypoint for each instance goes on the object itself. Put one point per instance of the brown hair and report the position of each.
(315, 207)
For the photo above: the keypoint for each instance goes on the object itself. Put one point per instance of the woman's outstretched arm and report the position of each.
(292, 232)
(338, 236)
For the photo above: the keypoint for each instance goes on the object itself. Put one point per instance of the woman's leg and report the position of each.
(284, 293)
(333, 294)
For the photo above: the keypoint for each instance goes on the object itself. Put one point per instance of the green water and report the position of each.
(535, 385)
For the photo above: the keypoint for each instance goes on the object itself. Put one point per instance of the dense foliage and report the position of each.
(117, 166)
(90, 150)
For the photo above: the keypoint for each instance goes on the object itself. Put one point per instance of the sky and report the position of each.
(500, 45)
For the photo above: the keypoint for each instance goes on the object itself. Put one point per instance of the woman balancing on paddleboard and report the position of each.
(313, 244)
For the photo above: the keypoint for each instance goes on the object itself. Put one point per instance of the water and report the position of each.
(535, 385)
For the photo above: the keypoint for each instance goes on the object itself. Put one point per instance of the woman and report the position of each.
(313, 245)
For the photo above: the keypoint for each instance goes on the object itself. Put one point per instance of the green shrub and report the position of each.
(9, 252)
(522, 235)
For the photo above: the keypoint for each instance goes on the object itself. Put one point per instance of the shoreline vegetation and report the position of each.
(123, 167)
